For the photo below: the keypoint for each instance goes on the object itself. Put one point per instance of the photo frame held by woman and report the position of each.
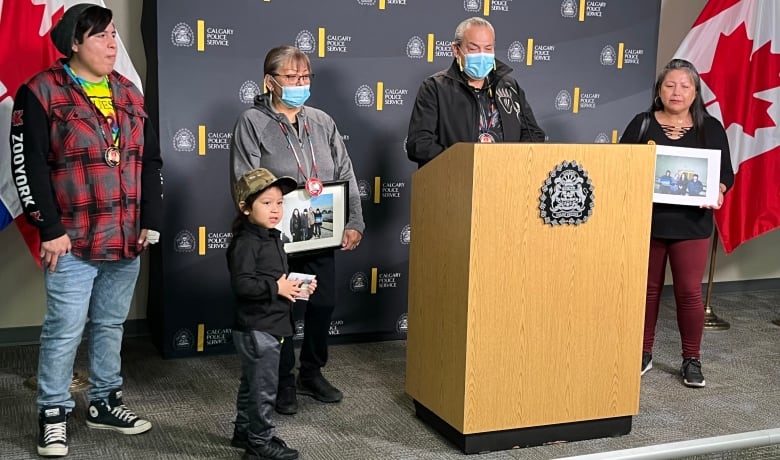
(314, 223)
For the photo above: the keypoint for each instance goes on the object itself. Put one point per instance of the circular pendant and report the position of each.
(112, 156)
(313, 186)
(486, 138)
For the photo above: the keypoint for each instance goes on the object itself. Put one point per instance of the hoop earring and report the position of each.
(657, 101)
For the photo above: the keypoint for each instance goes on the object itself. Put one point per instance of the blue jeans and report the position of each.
(77, 290)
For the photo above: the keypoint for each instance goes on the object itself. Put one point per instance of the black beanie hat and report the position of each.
(63, 34)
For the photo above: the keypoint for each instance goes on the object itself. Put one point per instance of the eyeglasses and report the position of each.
(295, 78)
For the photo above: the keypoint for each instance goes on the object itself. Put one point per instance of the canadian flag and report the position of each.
(735, 46)
(26, 49)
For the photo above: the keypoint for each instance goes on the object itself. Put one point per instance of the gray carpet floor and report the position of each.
(191, 401)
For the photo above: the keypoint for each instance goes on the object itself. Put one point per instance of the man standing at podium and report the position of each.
(474, 100)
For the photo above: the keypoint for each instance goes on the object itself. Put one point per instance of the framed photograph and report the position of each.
(312, 223)
(686, 176)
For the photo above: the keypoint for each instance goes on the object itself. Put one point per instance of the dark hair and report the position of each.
(94, 20)
(278, 56)
(241, 218)
(698, 111)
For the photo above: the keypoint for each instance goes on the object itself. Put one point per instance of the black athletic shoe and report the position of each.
(275, 449)
(647, 362)
(286, 401)
(691, 373)
(320, 389)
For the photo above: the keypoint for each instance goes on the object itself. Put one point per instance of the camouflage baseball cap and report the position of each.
(259, 179)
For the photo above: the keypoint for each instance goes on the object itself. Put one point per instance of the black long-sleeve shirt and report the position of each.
(678, 222)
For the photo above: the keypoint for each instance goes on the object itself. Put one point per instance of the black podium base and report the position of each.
(524, 437)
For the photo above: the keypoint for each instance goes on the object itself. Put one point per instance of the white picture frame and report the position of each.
(686, 176)
(332, 207)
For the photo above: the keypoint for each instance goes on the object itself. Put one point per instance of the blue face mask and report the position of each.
(294, 96)
(478, 65)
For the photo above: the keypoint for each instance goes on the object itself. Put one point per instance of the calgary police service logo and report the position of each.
(248, 91)
(402, 325)
(567, 195)
(563, 100)
(364, 96)
(364, 189)
(184, 141)
(415, 48)
(472, 6)
(359, 282)
(602, 138)
(182, 35)
(608, 55)
(183, 340)
(184, 242)
(568, 8)
(306, 42)
(406, 234)
(516, 52)
(366, 2)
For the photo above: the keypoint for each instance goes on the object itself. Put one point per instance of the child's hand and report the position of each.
(289, 289)
(312, 286)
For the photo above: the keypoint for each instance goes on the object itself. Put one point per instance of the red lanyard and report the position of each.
(292, 147)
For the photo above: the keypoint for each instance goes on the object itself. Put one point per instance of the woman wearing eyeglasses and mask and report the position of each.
(288, 138)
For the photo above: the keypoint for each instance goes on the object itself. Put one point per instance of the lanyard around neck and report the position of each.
(109, 137)
(295, 153)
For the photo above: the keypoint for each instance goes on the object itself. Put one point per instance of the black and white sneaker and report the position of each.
(52, 437)
(114, 415)
(647, 362)
(691, 373)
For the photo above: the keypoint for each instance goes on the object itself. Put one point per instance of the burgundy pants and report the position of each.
(688, 260)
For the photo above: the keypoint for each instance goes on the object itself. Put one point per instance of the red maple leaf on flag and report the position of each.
(24, 52)
(737, 74)
(25, 49)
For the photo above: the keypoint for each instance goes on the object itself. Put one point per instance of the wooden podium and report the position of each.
(523, 333)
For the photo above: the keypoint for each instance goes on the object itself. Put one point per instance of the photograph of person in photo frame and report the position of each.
(320, 227)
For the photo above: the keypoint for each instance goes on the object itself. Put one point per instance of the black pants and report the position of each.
(259, 354)
(319, 309)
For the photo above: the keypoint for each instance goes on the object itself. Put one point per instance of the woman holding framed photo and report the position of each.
(680, 234)
(288, 138)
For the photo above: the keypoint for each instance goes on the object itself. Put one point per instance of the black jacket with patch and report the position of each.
(446, 112)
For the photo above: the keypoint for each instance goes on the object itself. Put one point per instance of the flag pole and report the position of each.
(711, 320)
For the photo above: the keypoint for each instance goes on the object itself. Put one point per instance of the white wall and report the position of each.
(22, 284)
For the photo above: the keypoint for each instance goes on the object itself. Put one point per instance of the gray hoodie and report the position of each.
(259, 142)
